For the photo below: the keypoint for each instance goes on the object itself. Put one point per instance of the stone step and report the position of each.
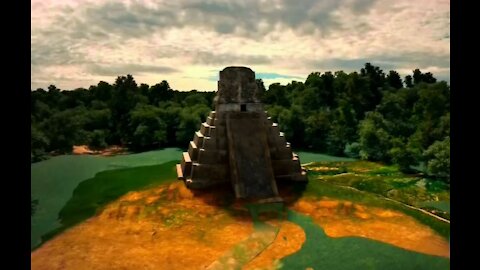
(276, 129)
(186, 164)
(212, 173)
(198, 139)
(212, 114)
(179, 172)
(211, 121)
(205, 129)
(186, 157)
(193, 150)
(212, 156)
(212, 131)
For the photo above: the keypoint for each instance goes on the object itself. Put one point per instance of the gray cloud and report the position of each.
(112, 23)
(407, 60)
(117, 28)
(362, 6)
(224, 17)
(210, 58)
(134, 69)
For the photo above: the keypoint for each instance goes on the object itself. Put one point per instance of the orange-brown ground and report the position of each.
(170, 227)
(109, 151)
(344, 218)
(289, 239)
(163, 228)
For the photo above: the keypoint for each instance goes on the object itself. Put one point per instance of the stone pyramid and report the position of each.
(239, 143)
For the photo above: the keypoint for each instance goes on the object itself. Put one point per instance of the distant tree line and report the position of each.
(368, 114)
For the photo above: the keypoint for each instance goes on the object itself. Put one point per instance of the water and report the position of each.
(53, 181)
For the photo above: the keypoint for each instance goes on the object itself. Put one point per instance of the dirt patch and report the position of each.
(171, 227)
(109, 151)
(344, 218)
(161, 228)
(289, 239)
(323, 169)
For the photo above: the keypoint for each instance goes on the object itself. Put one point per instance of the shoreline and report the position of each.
(109, 151)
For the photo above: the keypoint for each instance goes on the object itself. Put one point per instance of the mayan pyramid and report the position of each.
(239, 143)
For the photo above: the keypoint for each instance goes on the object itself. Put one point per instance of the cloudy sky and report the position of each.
(77, 43)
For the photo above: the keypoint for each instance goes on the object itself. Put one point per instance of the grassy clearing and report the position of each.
(307, 157)
(387, 181)
(322, 252)
(372, 182)
(92, 194)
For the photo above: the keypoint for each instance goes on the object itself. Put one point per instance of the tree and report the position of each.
(402, 155)
(428, 78)
(376, 81)
(123, 101)
(261, 89)
(102, 92)
(352, 150)
(144, 89)
(277, 94)
(33, 206)
(148, 128)
(97, 140)
(408, 81)
(310, 100)
(292, 123)
(63, 129)
(364, 114)
(437, 158)
(394, 80)
(419, 77)
(160, 92)
(53, 96)
(170, 114)
(39, 144)
(195, 99)
(189, 123)
(317, 127)
(374, 138)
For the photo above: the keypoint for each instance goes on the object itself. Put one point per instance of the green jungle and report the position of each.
(367, 137)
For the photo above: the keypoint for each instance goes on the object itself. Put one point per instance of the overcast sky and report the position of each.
(187, 42)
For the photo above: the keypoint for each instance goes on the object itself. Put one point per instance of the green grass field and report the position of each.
(388, 181)
(370, 183)
(307, 157)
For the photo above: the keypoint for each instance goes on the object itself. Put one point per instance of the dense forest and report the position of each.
(368, 114)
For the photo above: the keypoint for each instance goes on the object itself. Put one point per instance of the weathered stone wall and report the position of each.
(239, 143)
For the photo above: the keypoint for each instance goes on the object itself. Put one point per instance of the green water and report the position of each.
(53, 181)
(306, 157)
(440, 205)
(320, 251)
